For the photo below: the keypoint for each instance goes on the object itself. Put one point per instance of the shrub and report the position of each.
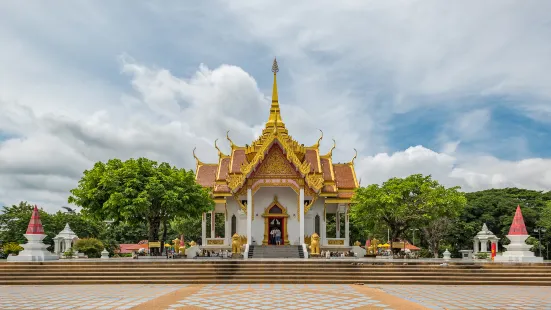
(12, 248)
(69, 253)
(482, 255)
(92, 247)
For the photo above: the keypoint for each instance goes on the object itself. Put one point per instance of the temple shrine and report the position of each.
(276, 183)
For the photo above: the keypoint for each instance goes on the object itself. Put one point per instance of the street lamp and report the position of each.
(413, 229)
(539, 230)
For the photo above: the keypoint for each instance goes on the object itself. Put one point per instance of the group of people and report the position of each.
(275, 236)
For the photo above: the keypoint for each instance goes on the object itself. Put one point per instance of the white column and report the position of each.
(346, 229)
(56, 246)
(227, 228)
(68, 244)
(483, 246)
(301, 215)
(323, 230)
(475, 246)
(212, 224)
(249, 215)
(204, 230)
(338, 223)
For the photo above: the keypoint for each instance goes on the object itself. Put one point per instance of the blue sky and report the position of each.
(459, 90)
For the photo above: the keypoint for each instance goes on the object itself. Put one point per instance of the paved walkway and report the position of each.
(273, 296)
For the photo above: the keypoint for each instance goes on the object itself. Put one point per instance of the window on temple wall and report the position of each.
(276, 210)
(317, 225)
(219, 225)
(342, 223)
(244, 202)
(233, 225)
(331, 225)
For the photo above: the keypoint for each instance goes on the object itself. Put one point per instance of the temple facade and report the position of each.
(275, 182)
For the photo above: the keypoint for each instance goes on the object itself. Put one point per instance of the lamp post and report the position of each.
(539, 230)
(413, 229)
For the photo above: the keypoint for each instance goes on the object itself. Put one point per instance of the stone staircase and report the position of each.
(270, 271)
(272, 251)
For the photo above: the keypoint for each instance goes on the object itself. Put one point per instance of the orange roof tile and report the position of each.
(328, 189)
(238, 159)
(223, 169)
(221, 188)
(326, 169)
(345, 194)
(206, 174)
(312, 157)
(344, 176)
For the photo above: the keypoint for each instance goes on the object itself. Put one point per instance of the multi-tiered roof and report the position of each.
(321, 176)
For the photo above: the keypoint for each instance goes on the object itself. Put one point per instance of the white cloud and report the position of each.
(470, 172)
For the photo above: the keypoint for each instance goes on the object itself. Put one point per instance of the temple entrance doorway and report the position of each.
(275, 224)
(275, 219)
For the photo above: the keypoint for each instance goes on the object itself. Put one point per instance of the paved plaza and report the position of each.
(274, 296)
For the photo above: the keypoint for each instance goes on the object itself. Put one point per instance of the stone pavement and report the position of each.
(273, 296)
(472, 297)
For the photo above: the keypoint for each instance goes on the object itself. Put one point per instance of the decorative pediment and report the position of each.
(275, 209)
(275, 165)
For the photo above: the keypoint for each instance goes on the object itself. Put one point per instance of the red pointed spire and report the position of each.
(518, 227)
(35, 225)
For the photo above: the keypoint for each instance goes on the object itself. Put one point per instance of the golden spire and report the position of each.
(330, 153)
(274, 108)
(355, 155)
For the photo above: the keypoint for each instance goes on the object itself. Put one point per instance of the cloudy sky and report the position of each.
(457, 89)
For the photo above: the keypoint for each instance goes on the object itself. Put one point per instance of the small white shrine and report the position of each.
(34, 250)
(480, 241)
(518, 250)
(64, 240)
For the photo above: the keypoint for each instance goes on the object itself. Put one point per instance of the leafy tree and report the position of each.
(403, 203)
(12, 248)
(140, 190)
(496, 208)
(187, 227)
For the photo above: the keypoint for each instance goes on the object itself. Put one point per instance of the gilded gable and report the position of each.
(275, 164)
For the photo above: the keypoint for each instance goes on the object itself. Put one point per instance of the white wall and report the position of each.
(263, 198)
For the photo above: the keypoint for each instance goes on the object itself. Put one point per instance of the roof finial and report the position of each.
(319, 140)
(220, 154)
(195, 156)
(330, 153)
(228, 137)
(274, 108)
(355, 155)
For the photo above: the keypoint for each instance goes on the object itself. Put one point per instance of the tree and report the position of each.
(496, 208)
(188, 227)
(402, 203)
(140, 190)
(92, 247)
(434, 232)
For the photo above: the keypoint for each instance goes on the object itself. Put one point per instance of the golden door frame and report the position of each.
(283, 216)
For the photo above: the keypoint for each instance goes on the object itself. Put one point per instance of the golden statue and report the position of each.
(315, 244)
(192, 243)
(236, 244)
(176, 243)
(357, 243)
(307, 239)
(372, 249)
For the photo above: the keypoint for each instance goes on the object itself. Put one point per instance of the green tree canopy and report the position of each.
(140, 190)
(188, 227)
(403, 203)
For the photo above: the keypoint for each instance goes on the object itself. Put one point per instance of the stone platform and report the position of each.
(299, 271)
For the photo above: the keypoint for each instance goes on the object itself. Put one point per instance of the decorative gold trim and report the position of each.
(215, 242)
(335, 242)
(220, 200)
(232, 145)
(338, 200)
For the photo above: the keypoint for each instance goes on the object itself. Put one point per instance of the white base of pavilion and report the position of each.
(34, 251)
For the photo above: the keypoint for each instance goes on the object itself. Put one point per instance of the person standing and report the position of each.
(272, 236)
(278, 236)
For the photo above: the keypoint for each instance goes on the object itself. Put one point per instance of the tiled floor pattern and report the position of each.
(80, 296)
(289, 296)
(473, 297)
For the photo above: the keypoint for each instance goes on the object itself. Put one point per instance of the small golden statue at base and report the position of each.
(176, 243)
(236, 244)
(315, 244)
(192, 243)
(357, 243)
